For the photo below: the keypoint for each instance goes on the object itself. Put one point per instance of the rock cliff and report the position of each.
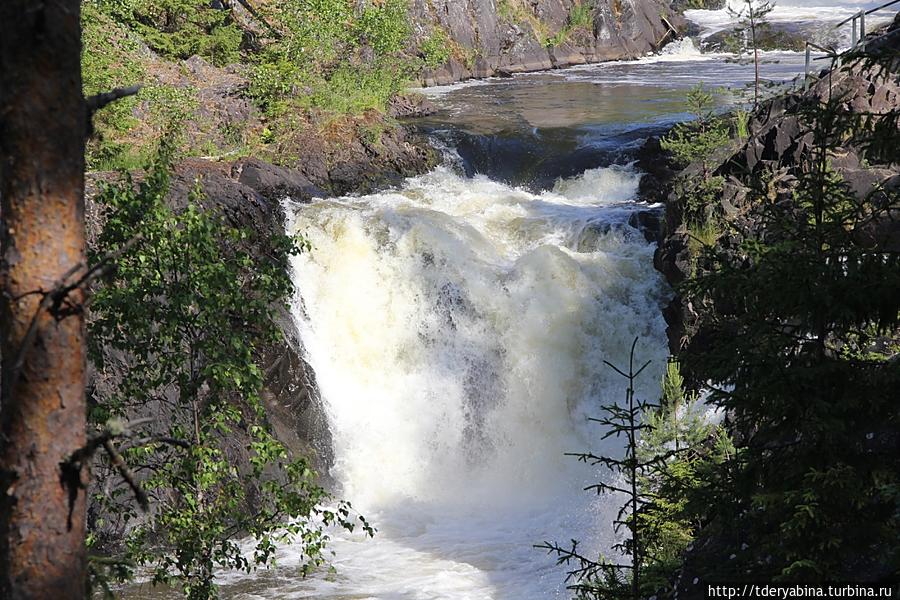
(778, 141)
(500, 37)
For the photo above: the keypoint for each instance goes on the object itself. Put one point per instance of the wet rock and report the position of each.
(404, 106)
(770, 36)
(273, 181)
(649, 222)
(538, 35)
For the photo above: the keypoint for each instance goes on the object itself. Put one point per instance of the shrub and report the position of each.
(582, 15)
(108, 60)
(352, 90)
(183, 322)
(385, 27)
(436, 49)
(180, 28)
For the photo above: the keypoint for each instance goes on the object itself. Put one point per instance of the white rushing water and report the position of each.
(458, 329)
(818, 17)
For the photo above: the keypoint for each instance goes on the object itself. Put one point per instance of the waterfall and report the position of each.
(458, 328)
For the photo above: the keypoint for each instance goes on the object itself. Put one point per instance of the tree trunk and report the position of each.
(43, 122)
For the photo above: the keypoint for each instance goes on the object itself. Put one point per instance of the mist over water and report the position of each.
(458, 329)
(458, 326)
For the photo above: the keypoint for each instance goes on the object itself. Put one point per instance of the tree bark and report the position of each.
(43, 123)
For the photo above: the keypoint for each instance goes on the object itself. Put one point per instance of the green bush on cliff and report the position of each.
(436, 49)
(180, 28)
(385, 27)
(109, 61)
(694, 143)
(355, 91)
(176, 333)
(321, 55)
(696, 140)
(582, 15)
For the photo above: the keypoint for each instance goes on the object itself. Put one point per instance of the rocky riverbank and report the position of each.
(512, 36)
(770, 164)
(777, 143)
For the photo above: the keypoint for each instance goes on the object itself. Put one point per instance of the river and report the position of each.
(458, 325)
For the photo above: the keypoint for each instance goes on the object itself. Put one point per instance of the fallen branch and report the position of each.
(119, 463)
(98, 101)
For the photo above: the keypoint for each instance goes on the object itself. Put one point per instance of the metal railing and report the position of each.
(858, 22)
(857, 38)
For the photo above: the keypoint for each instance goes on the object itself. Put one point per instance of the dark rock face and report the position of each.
(359, 158)
(769, 36)
(502, 37)
(778, 142)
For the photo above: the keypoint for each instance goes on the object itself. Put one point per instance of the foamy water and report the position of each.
(819, 16)
(458, 329)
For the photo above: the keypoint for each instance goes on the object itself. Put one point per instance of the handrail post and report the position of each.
(862, 27)
(806, 70)
(853, 35)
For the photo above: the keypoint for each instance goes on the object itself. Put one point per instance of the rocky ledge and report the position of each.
(777, 142)
(501, 37)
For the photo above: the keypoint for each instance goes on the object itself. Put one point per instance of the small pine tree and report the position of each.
(697, 139)
(695, 142)
(670, 450)
(752, 17)
(601, 578)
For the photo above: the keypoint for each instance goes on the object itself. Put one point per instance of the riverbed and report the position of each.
(458, 325)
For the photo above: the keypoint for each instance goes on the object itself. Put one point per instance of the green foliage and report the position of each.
(600, 577)
(354, 91)
(799, 317)
(582, 15)
(742, 124)
(669, 450)
(696, 140)
(436, 49)
(385, 26)
(680, 430)
(694, 144)
(111, 58)
(179, 329)
(702, 235)
(180, 28)
(108, 61)
(314, 56)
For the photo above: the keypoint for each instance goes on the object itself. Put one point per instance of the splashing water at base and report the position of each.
(458, 329)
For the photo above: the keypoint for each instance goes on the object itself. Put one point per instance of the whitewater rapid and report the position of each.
(818, 17)
(457, 328)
